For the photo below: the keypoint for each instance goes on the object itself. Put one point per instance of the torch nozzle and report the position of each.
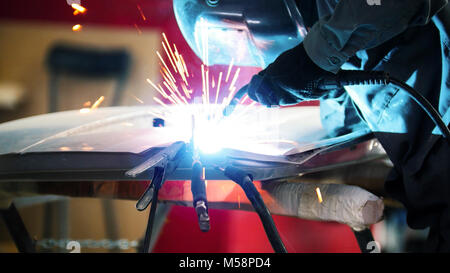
(228, 110)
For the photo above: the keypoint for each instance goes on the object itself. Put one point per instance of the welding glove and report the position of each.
(290, 79)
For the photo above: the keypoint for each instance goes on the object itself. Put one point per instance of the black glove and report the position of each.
(290, 79)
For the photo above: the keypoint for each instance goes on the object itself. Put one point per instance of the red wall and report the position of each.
(241, 231)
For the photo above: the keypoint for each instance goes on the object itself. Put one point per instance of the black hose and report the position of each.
(355, 77)
(199, 200)
(157, 181)
(264, 214)
(350, 77)
(245, 181)
(425, 105)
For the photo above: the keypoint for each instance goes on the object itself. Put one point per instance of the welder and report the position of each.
(300, 42)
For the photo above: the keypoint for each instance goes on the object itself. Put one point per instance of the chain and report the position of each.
(123, 244)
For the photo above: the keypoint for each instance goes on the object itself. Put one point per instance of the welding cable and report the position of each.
(245, 180)
(353, 77)
(158, 178)
(426, 106)
(200, 202)
(234, 101)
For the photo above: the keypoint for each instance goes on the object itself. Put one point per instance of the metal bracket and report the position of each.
(165, 161)
(17, 229)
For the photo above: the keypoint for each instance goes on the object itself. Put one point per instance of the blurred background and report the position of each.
(41, 42)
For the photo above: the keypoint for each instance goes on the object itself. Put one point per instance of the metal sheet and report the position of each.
(106, 143)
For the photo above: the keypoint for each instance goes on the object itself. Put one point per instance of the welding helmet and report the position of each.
(249, 32)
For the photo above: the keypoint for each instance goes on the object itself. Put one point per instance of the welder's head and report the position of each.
(252, 33)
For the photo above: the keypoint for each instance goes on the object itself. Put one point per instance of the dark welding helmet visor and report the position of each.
(251, 33)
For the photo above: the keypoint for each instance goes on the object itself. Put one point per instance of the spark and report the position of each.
(156, 114)
(138, 29)
(175, 95)
(138, 99)
(77, 27)
(186, 91)
(78, 9)
(164, 63)
(244, 99)
(207, 86)
(85, 110)
(160, 90)
(179, 64)
(319, 195)
(229, 69)
(160, 102)
(166, 77)
(236, 74)
(184, 65)
(174, 88)
(171, 52)
(142, 13)
(229, 97)
(97, 103)
(172, 93)
(203, 79)
(218, 87)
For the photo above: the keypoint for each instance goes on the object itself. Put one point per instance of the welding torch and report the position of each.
(200, 202)
(245, 180)
(234, 101)
(354, 77)
(198, 186)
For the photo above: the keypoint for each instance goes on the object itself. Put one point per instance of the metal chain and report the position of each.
(122, 244)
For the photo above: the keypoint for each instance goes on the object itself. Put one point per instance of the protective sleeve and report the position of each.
(341, 203)
(362, 24)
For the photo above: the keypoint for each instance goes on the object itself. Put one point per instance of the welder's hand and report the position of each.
(290, 79)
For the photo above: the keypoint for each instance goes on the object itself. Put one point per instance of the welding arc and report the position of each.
(244, 180)
(158, 178)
